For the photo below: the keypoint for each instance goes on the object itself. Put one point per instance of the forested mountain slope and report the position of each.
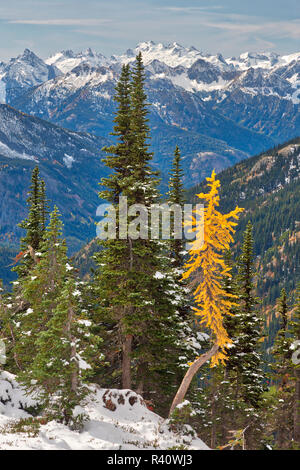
(69, 162)
(268, 187)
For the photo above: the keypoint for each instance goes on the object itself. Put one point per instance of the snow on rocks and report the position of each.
(118, 419)
(13, 399)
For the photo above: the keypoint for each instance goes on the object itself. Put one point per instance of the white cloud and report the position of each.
(115, 25)
(190, 9)
(63, 22)
(287, 29)
(211, 17)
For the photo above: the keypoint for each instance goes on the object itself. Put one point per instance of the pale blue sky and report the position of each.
(112, 26)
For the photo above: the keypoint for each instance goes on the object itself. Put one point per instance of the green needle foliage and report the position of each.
(54, 340)
(35, 223)
(137, 312)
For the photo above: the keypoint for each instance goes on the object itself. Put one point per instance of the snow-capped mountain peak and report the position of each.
(71, 80)
(265, 60)
(65, 61)
(287, 59)
(23, 72)
(172, 54)
(29, 56)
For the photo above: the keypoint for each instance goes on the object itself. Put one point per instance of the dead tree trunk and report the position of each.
(126, 362)
(127, 338)
(191, 372)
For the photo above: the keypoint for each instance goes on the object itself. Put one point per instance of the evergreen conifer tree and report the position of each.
(176, 196)
(44, 208)
(247, 364)
(134, 277)
(40, 289)
(54, 338)
(144, 189)
(231, 286)
(31, 244)
(34, 224)
(281, 346)
(281, 393)
(247, 341)
(118, 156)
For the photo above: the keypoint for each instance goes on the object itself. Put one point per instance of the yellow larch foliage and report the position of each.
(207, 266)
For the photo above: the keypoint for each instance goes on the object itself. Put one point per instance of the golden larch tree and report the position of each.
(206, 267)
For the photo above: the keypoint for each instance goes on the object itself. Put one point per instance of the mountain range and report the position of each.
(219, 110)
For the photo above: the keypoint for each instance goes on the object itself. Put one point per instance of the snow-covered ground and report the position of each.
(118, 420)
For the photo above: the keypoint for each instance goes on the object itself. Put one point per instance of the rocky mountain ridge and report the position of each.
(219, 110)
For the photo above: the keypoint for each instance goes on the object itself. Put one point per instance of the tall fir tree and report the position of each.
(248, 363)
(134, 279)
(113, 258)
(223, 407)
(231, 286)
(144, 188)
(118, 156)
(54, 336)
(34, 224)
(175, 247)
(44, 208)
(279, 412)
(176, 196)
(39, 289)
(30, 245)
(247, 341)
(176, 244)
(280, 350)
